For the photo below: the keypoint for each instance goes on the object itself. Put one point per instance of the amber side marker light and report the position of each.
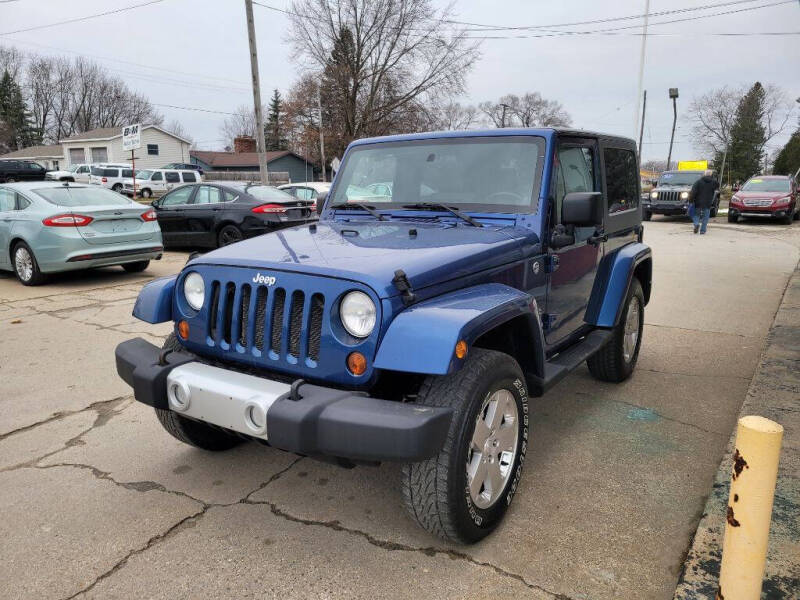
(183, 330)
(461, 349)
(357, 363)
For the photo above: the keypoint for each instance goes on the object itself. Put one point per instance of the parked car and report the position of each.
(111, 177)
(412, 330)
(766, 196)
(156, 182)
(315, 191)
(671, 195)
(47, 227)
(79, 173)
(184, 167)
(213, 215)
(21, 170)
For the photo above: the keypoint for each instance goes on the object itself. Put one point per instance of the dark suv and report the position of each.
(413, 322)
(20, 170)
(671, 195)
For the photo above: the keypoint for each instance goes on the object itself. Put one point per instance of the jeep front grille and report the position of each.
(252, 318)
(669, 196)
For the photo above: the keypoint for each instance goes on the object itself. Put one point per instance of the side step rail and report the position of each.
(564, 363)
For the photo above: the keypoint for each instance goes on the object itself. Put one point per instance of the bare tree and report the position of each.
(529, 110)
(712, 115)
(241, 122)
(11, 60)
(176, 127)
(380, 61)
(777, 112)
(453, 116)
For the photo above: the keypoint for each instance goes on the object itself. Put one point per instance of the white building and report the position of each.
(50, 157)
(159, 147)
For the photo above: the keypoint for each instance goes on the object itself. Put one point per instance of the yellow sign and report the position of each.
(692, 165)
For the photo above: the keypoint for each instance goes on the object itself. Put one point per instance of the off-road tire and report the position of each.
(136, 267)
(733, 218)
(713, 212)
(647, 215)
(435, 490)
(195, 433)
(608, 363)
(37, 277)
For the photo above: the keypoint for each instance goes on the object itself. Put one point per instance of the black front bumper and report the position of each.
(321, 421)
(666, 209)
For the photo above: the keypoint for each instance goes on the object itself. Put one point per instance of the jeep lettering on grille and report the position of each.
(265, 279)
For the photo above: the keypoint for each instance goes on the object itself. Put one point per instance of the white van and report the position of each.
(157, 182)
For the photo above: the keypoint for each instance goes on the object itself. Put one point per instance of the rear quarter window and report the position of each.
(172, 178)
(189, 178)
(622, 180)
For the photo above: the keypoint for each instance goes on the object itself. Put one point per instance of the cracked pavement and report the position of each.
(99, 502)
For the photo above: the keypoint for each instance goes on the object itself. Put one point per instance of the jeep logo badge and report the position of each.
(265, 279)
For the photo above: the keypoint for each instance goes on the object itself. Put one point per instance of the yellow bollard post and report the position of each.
(755, 471)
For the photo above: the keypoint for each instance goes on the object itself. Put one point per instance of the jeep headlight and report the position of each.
(358, 314)
(654, 195)
(194, 290)
(684, 195)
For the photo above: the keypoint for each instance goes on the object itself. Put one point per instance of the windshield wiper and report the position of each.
(450, 209)
(365, 207)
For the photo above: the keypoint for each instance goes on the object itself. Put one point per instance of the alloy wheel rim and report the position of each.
(631, 336)
(229, 237)
(24, 264)
(493, 448)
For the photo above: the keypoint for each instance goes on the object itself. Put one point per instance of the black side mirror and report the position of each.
(321, 197)
(582, 209)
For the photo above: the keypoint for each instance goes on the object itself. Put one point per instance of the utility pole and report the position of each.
(641, 67)
(321, 136)
(641, 129)
(261, 144)
(673, 93)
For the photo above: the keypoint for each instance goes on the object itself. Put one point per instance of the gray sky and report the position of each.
(194, 53)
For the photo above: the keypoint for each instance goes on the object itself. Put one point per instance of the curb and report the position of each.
(774, 393)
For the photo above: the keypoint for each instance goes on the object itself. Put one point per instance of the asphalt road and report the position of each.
(97, 501)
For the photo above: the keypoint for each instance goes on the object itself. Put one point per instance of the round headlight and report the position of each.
(654, 195)
(684, 195)
(194, 290)
(358, 314)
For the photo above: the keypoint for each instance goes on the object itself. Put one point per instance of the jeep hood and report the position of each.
(371, 251)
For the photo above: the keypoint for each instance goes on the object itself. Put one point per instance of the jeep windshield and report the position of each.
(482, 174)
(679, 178)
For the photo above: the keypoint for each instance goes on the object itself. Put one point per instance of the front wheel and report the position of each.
(117, 187)
(788, 218)
(733, 218)
(463, 493)
(616, 360)
(647, 215)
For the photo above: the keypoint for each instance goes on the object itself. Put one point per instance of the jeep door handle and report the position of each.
(595, 240)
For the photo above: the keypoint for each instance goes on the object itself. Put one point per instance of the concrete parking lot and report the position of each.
(98, 502)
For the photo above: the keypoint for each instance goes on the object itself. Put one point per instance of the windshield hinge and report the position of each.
(402, 284)
(551, 264)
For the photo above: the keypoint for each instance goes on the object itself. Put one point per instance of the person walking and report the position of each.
(702, 197)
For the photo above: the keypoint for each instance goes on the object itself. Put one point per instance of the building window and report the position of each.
(76, 156)
(55, 165)
(152, 149)
(100, 154)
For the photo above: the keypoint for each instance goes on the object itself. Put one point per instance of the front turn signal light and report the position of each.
(183, 329)
(356, 363)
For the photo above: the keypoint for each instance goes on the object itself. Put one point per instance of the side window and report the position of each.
(172, 177)
(622, 177)
(575, 173)
(189, 178)
(22, 203)
(83, 170)
(308, 193)
(7, 201)
(127, 173)
(97, 171)
(230, 196)
(156, 176)
(152, 149)
(207, 195)
(179, 196)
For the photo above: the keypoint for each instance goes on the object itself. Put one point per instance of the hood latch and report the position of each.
(402, 284)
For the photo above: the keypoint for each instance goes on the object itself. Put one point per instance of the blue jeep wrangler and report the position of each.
(450, 277)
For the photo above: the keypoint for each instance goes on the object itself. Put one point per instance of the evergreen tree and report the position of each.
(18, 126)
(275, 130)
(788, 160)
(748, 135)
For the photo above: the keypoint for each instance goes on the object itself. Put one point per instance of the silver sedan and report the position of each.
(46, 227)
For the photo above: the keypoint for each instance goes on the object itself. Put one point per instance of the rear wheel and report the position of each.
(136, 267)
(25, 265)
(616, 360)
(463, 493)
(195, 433)
(146, 193)
(230, 234)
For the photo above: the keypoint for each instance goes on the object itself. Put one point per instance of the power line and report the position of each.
(192, 108)
(86, 18)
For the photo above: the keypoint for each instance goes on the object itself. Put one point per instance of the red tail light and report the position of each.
(314, 206)
(104, 180)
(67, 220)
(150, 215)
(269, 208)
